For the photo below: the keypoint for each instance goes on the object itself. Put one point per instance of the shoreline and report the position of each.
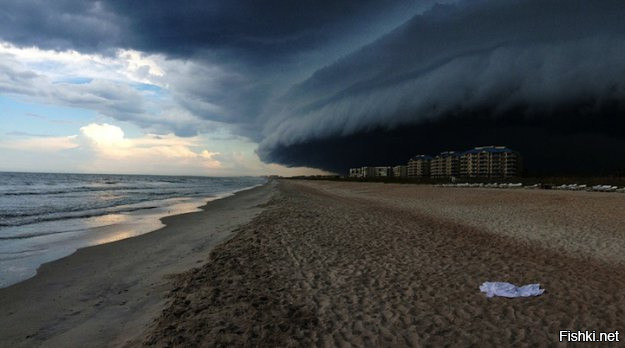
(71, 300)
(117, 226)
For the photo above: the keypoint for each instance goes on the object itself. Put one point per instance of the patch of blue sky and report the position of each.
(38, 118)
(75, 80)
(152, 92)
(156, 96)
(147, 87)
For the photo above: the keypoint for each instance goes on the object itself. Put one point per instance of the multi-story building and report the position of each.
(367, 172)
(400, 171)
(370, 172)
(489, 162)
(419, 166)
(355, 172)
(480, 162)
(380, 172)
(444, 165)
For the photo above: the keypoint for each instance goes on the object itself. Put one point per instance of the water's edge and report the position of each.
(140, 222)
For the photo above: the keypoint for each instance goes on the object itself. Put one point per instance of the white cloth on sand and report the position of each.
(510, 290)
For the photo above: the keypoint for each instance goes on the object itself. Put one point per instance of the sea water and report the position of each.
(44, 217)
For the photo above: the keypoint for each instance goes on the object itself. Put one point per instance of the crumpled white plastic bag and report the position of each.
(510, 290)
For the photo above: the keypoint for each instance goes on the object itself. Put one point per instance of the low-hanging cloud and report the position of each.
(221, 61)
(331, 84)
(484, 56)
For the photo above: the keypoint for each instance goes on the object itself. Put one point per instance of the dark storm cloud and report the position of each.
(63, 24)
(261, 30)
(239, 54)
(461, 74)
(553, 68)
(244, 52)
(566, 144)
(256, 30)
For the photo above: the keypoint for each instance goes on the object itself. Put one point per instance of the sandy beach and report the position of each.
(107, 295)
(370, 264)
(321, 263)
(335, 173)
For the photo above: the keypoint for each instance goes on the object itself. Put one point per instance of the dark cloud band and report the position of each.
(554, 65)
(531, 74)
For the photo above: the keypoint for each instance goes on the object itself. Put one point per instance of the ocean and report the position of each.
(44, 217)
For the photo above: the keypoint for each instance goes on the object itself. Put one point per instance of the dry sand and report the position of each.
(366, 264)
(588, 223)
(108, 294)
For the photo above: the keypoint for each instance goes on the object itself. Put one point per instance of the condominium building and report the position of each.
(479, 162)
(489, 162)
(444, 165)
(355, 172)
(380, 172)
(370, 172)
(400, 171)
(367, 172)
(419, 166)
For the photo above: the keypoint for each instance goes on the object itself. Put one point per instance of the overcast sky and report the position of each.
(296, 87)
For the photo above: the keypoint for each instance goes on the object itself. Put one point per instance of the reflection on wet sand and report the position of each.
(20, 257)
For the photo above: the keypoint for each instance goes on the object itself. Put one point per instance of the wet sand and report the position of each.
(107, 295)
(369, 264)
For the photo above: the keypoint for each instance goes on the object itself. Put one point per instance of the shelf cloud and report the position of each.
(329, 84)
